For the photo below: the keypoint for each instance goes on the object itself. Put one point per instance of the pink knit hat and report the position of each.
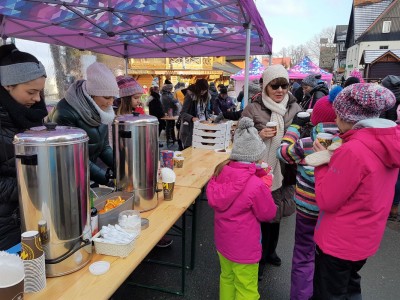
(323, 111)
(361, 101)
(128, 86)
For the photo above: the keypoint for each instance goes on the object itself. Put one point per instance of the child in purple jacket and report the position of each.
(239, 195)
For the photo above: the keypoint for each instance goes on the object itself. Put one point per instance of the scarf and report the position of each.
(22, 116)
(278, 110)
(84, 105)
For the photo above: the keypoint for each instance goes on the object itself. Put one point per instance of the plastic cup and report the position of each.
(168, 190)
(303, 114)
(178, 154)
(178, 162)
(325, 139)
(273, 125)
(11, 277)
(129, 220)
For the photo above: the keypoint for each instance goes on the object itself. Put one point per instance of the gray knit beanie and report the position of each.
(312, 80)
(247, 144)
(101, 81)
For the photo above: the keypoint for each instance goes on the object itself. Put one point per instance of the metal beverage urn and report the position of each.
(136, 157)
(53, 185)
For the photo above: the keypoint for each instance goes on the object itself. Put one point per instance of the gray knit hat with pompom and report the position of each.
(247, 144)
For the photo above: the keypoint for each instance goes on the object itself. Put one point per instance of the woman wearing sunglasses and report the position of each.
(275, 104)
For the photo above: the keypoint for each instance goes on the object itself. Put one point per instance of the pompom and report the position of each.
(245, 123)
(334, 92)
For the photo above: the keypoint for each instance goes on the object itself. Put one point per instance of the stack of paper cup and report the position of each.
(11, 276)
(34, 262)
(168, 182)
(167, 159)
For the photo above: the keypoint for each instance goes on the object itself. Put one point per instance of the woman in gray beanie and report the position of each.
(275, 104)
(88, 105)
(22, 80)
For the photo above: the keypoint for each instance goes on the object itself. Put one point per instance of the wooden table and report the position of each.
(83, 285)
(198, 167)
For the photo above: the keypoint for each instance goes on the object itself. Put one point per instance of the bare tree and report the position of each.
(325, 37)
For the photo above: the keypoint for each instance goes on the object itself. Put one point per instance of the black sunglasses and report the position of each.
(276, 86)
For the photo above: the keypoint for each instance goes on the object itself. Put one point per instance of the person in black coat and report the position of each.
(156, 108)
(22, 80)
(88, 105)
(314, 89)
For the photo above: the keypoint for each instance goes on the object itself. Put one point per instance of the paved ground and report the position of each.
(380, 275)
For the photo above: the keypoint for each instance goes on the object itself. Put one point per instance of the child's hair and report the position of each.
(220, 166)
(125, 106)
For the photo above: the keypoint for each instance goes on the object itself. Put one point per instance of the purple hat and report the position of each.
(128, 86)
(361, 101)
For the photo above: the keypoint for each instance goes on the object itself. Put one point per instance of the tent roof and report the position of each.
(256, 68)
(139, 28)
(307, 67)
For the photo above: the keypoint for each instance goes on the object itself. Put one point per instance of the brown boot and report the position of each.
(394, 211)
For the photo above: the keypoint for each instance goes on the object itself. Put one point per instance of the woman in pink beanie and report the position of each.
(354, 190)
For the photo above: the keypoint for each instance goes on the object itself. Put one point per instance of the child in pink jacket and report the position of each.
(239, 195)
(354, 191)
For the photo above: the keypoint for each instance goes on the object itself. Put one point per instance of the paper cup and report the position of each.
(273, 125)
(325, 139)
(303, 114)
(167, 159)
(178, 154)
(168, 190)
(35, 274)
(178, 162)
(11, 276)
(309, 110)
(31, 245)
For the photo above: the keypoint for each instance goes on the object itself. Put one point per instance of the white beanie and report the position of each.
(101, 81)
(274, 72)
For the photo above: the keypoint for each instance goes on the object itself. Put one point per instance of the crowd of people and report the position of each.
(342, 194)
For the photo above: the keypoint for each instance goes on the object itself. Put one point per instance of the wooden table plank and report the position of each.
(83, 285)
(198, 167)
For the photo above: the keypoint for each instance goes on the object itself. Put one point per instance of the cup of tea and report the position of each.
(11, 276)
(309, 111)
(273, 125)
(304, 115)
(325, 139)
(178, 161)
(168, 190)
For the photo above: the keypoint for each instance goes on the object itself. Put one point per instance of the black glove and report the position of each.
(300, 121)
(109, 174)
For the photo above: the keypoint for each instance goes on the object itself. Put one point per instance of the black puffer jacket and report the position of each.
(316, 93)
(9, 215)
(99, 147)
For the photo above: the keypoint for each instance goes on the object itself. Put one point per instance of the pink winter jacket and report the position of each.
(241, 201)
(355, 190)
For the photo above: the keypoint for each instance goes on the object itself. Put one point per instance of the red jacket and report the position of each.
(241, 201)
(354, 192)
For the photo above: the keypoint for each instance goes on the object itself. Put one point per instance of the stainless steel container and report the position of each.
(53, 184)
(136, 158)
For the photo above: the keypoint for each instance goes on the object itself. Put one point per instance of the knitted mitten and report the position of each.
(322, 157)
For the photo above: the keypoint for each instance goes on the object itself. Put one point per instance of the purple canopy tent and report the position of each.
(256, 68)
(307, 67)
(139, 28)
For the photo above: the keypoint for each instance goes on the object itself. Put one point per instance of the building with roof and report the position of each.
(380, 63)
(373, 25)
(339, 40)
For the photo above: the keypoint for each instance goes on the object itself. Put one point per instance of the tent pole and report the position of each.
(247, 64)
(270, 59)
(126, 58)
